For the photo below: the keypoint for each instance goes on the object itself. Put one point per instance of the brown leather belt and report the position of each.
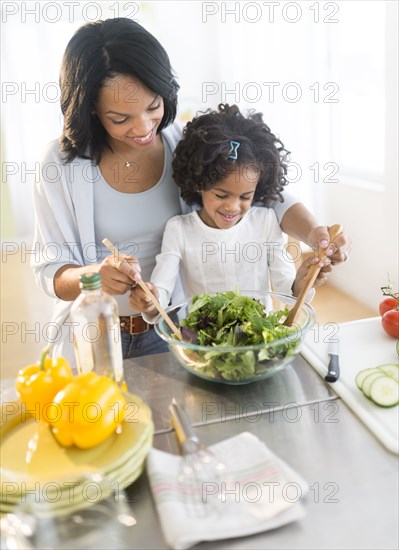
(133, 324)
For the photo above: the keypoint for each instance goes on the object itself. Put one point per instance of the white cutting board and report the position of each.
(362, 344)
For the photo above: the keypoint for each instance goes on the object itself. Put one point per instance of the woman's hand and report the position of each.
(119, 274)
(338, 251)
(141, 302)
(303, 271)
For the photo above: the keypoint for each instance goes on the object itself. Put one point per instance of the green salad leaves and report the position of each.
(231, 320)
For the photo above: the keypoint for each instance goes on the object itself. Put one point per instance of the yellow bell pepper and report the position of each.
(37, 385)
(87, 411)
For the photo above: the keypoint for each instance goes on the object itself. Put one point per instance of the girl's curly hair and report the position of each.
(201, 157)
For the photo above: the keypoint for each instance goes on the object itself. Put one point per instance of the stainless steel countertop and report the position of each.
(159, 378)
(353, 500)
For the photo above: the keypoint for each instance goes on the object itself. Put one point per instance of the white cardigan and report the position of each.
(64, 228)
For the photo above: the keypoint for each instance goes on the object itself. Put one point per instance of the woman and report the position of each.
(110, 175)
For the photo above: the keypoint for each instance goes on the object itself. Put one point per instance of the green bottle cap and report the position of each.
(90, 281)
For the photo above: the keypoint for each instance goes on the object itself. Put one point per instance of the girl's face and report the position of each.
(225, 204)
(129, 112)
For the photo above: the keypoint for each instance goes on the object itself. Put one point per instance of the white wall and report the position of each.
(240, 46)
(369, 210)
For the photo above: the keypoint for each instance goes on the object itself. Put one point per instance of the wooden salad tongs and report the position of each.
(334, 231)
(148, 292)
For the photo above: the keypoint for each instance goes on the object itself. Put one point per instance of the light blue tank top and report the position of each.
(135, 222)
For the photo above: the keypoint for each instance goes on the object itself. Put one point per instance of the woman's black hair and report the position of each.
(99, 51)
(203, 157)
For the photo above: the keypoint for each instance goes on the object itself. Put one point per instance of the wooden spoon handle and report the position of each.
(160, 309)
(148, 292)
(311, 276)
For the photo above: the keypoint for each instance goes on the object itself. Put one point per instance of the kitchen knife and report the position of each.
(333, 364)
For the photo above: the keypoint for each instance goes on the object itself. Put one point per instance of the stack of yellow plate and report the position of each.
(35, 467)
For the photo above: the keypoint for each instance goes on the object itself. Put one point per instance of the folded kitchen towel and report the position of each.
(256, 492)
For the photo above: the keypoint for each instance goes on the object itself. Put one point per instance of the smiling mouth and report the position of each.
(143, 139)
(229, 216)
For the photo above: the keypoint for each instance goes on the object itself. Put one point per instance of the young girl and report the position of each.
(225, 164)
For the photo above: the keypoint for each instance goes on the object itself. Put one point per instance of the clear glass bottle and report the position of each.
(96, 330)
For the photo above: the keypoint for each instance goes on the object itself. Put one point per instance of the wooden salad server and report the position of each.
(142, 284)
(334, 231)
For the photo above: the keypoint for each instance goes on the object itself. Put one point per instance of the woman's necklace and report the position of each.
(127, 163)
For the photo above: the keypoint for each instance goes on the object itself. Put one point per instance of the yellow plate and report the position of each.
(26, 468)
(62, 492)
(76, 499)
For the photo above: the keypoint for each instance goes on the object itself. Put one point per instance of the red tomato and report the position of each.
(390, 322)
(387, 304)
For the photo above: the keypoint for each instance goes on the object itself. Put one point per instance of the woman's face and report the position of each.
(129, 112)
(225, 204)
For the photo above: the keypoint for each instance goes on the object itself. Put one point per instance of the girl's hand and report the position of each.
(338, 252)
(141, 302)
(303, 271)
(119, 274)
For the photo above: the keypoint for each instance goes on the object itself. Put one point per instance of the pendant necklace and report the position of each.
(127, 163)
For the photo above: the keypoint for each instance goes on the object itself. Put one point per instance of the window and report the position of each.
(357, 52)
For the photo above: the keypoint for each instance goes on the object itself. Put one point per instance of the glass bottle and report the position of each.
(96, 330)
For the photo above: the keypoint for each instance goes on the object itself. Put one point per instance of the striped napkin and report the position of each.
(257, 492)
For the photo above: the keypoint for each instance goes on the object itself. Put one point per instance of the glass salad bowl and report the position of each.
(235, 338)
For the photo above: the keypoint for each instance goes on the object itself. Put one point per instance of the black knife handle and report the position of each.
(333, 369)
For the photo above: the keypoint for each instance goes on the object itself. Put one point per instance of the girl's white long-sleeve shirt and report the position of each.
(251, 255)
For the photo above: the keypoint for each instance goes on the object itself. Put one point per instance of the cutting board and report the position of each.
(362, 344)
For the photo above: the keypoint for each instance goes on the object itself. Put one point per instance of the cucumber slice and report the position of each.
(384, 391)
(390, 369)
(363, 374)
(368, 381)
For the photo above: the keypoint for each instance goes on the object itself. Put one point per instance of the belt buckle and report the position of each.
(131, 325)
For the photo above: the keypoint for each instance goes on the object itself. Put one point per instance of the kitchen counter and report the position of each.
(159, 378)
(353, 479)
(353, 497)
